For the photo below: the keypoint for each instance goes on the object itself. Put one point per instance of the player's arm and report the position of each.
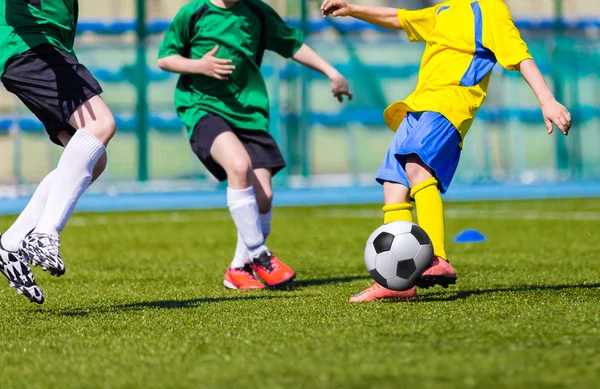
(288, 42)
(502, 37)
(309, 58)
(417, 24)
(381, 16)
(174, 50)
(208, 65)
(553, 111)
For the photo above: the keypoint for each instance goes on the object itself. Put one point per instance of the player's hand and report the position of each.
(339, 87)
(211, 66)
(335, 8)
(556, 113)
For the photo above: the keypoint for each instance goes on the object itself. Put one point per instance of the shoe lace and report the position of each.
(50, 242)
(265, 260)
(247, 270)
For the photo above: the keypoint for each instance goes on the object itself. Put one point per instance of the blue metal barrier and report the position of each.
(365, 116)
(318, 24)
(292, 71)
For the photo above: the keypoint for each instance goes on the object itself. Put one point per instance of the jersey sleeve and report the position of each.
(176, 39)
(418, 24)
(280, 37)
(501, 36)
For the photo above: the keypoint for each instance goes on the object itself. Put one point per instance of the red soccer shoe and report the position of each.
(241, 278)
(440, 273)
(377, 292)
(271, 270)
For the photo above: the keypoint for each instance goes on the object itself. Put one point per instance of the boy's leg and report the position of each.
(227, 151)
(95, 127)
(64, 96)
(430, 211)
(264, 196)
(430, 214)
(430, 156)
(230, 154)
(397, 207)
(269, 268)
(31, 214)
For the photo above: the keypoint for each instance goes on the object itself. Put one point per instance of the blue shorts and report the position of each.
(430, 136)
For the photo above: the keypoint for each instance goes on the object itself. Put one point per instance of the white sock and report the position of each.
(242, 256)
(265, 223)
(73, 176)
(244, 211)
(30, 216)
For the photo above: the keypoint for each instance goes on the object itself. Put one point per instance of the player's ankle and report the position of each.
(257, 251)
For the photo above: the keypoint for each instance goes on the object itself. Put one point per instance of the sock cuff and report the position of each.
(397, 207)
(423, 185)
(88, 144)
(234, 195)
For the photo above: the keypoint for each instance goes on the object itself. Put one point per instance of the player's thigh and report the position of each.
(229, 152)
(265, 155)
(96, 118)
(391, 173)
(417, 171)
(263, 189)
(53, 85)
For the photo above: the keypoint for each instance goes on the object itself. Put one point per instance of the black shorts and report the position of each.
(52, 84)
(260, 145)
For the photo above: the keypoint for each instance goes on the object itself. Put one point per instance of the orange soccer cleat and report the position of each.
(377, 292)
(440, 272)
(271, 270)
(241, 278)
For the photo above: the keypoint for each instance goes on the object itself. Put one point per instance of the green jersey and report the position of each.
(243, 32)
(27, 24)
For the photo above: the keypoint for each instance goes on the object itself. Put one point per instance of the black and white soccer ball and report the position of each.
(397, 253)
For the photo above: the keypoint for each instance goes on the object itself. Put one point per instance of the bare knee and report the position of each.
(100, 167)
(416, 170)
(394, 193)
(103, 128)
(239, 173)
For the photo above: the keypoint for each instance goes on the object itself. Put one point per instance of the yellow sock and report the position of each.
(430, 213)
(397, 212)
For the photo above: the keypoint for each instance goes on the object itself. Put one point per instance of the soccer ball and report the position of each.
(397, 253)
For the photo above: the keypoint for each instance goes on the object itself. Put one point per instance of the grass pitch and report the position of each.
(142, 306)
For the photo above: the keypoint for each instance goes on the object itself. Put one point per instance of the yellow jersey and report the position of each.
(464, 40)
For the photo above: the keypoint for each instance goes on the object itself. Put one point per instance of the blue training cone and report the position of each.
(470, 236)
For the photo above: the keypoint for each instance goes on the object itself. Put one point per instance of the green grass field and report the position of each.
(142, 306)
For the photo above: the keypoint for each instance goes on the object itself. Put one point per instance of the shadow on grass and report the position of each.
(522, 288)
(325, 281)
(160, 304)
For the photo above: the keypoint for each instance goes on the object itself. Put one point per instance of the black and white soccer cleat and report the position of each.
(43, 250)
(16, 269)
